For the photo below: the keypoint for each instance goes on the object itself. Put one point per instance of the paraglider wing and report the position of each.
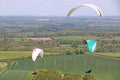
(96, 8)
(94, 46)
(37, 52)
(41, 53)
(71, 11)
(91, 45)
(84, 41)
(88, 71)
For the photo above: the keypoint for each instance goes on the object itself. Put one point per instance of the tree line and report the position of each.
(60, 46)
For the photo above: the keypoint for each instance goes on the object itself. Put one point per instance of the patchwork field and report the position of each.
(103, 68)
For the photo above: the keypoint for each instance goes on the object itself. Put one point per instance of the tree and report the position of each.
(70, 76)
(90, 77)
(82, 52)
(43, 74)
(74, 44)
(77, 51)
(68, 52)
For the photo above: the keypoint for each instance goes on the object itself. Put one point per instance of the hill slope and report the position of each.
(103, 68)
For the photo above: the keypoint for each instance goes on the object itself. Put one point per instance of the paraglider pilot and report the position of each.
(89, 71)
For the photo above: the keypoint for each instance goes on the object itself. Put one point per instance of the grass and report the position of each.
(113, 38)
(6, 55)
(14, 54)
(75, 37)
(112, 55)
(104, 68)
(14, 75)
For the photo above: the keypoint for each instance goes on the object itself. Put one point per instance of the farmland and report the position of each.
(14, 54)
(19, 35)
(103, 68)
(75, 37)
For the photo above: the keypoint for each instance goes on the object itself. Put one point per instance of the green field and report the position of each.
(75, 37)
(6, 55)
(14, 54)
(103, 68)
(111, 55)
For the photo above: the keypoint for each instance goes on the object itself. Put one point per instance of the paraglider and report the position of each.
(96, 8)
(91, 45)
(88, 71)
(37, 52)
(34, 73)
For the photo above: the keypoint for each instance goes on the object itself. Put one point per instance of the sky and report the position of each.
(56, 7)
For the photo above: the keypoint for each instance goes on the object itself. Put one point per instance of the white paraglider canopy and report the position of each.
(96, 8)
(37, 52)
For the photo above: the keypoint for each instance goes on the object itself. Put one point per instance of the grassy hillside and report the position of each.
(103, 68)
(13, 54)
(14, 75)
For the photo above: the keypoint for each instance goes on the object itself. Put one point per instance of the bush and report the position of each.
(3, 66)
(68, 52)
(90, 77)
(82, 52)
(44, 74)
(70, 76)
(79, 51)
